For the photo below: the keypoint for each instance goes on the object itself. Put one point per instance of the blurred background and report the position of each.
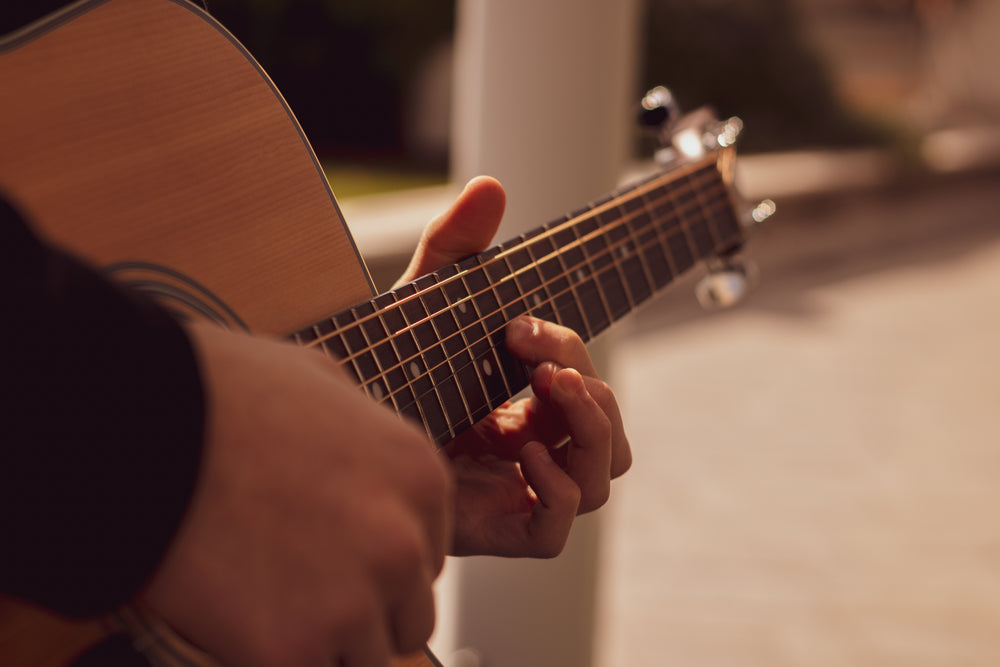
(370, 80)
(817, 476)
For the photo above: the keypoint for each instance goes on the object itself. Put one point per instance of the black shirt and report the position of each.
(101, 419)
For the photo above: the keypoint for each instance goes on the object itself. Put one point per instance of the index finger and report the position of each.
(535, 340)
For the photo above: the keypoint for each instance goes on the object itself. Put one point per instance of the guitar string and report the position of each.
(594, 278)
(353, 355)
(610, 249)
(473, 358)
(643, 188)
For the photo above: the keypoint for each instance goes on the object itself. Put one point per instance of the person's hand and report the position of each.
(318, 523)
(527, 469)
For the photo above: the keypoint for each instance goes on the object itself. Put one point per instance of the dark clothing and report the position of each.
(102, 413)
(101, 420)
(15, 14)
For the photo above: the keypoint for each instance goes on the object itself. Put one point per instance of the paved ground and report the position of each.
(817, 476)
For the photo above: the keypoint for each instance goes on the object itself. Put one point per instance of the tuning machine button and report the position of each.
(659, 111)
(726, 283)
(762, 212)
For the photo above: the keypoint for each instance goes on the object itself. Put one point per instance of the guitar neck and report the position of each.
(433, 350)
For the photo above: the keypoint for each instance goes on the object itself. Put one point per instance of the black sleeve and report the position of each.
(102, 417)
(17, 14)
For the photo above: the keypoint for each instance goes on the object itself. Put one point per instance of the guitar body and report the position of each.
(140, 132)
(142, 136)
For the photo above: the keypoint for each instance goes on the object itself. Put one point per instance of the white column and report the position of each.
(542, 100)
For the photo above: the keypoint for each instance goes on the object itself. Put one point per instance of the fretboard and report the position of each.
(433, 350)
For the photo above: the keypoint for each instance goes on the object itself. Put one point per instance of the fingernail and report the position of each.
(520, 329)
(549, 368)
(569, 384)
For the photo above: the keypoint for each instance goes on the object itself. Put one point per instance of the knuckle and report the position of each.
(595, 500)
(621, 462)
(601, 392)
(403, 552)
(276, 646)
(602, 428)
(552, 545)
(572, 496)
(570, 344)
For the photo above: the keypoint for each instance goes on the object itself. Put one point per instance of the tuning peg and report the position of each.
(658, 110)
(763, 211)
(725, 285)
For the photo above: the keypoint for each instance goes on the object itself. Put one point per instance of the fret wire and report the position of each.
(388, 386)
(665, 248)
(465, 348)
(633, 301)
(685, 230)
(410, 329)
(538, 251)
(716, 241)
(394, 339)
(560, 257)
(616, 260)
(478, 321)
(694, 239)
(634, 240)
(550, 300)
(512, 273)
(512, 371)
(595, 234)
(322, 340)
(448, 358)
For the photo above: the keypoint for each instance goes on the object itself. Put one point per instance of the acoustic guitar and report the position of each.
(144, 137)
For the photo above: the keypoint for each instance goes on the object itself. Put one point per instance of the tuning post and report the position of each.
(729, 131)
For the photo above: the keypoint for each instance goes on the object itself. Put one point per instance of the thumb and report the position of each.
(464, 229)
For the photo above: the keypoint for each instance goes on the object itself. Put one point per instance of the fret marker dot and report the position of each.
(580, 275)
(537, 299)
(377, 391)
(414, 369)
(487, 367)
(624, 251)
(462, 308)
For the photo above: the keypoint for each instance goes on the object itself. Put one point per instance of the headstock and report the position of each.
(693, 136)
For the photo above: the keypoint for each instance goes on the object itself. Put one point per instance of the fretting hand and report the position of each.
(525, 471)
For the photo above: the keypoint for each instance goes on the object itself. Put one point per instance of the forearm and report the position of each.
(103, 419)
